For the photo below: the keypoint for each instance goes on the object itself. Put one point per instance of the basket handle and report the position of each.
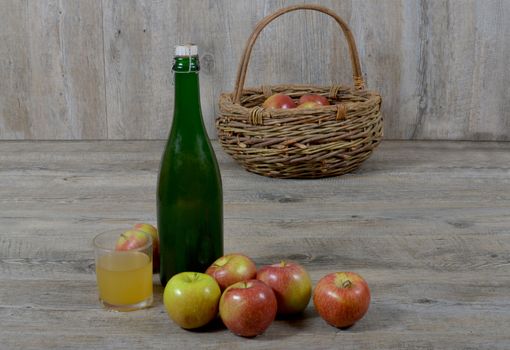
(243, 67)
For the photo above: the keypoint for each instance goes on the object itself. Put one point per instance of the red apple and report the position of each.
(341, 298)
(131, 239)
(248, 308)
(279, 101)
(191, 299)
(232, 268)
(309, 105)
(314, 98)
(148, 228)
(290, 283)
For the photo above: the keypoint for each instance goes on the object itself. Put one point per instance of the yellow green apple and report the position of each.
(191, 299)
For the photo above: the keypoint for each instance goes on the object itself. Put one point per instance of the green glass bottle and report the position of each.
(189, 194)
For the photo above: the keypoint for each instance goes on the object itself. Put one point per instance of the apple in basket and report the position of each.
(309, 105)
(314, 98)
(279, 101)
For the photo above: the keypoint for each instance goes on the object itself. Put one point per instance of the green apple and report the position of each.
(191, 299)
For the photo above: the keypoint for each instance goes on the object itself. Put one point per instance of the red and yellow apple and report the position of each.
(232, 268)
(279, 101)
(131, 239)
(248, 308)
(341, 298)
(291, 285)
(314, 98)
(191, 299)
(309, 105)
(148, 228)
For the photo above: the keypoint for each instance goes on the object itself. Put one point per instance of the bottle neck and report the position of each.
(187, 91)
(187, 94)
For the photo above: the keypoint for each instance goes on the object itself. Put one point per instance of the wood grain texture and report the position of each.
(102, 69)
(426, 223)
(138, 38)
(14, 71)
(51, 70)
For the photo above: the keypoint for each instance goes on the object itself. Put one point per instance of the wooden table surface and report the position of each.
(426, 223)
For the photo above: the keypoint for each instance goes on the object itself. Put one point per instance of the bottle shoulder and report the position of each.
(186, 156)
(189, 176)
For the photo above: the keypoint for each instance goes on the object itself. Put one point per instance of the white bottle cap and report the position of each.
(186, 50)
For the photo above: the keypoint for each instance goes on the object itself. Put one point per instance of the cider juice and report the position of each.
(124, 278)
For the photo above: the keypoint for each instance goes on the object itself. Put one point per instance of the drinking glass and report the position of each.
(124, 277)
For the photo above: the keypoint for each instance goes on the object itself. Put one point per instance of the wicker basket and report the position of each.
(300, 143)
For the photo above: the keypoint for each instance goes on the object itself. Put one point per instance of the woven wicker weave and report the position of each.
(300, 143)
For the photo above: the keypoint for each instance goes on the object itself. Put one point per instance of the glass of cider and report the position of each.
(124, 272)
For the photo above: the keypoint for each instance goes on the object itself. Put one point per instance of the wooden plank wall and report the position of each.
(91, 69)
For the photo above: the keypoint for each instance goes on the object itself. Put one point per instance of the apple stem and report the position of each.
(346, 284)
(282, 263)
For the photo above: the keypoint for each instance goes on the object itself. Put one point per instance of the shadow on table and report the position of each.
(378, 317)
(214, 326)
(157, 291)
(300, 320)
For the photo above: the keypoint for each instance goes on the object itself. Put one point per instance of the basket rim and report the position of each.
(227, 98)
